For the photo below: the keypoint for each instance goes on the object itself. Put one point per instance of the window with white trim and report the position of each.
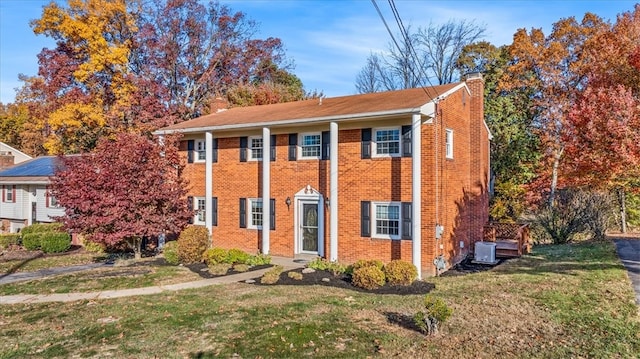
(255, 148)
(449, 143)
(386, 220)
(200, 149)
(53, 202)
(386, 142)
(199, 205)
(9, 194)
(310, 145)
(255, 213)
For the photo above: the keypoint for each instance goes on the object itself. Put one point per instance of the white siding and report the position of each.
(45, 213)
(13, 210)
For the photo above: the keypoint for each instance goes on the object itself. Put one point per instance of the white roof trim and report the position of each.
(15, 150)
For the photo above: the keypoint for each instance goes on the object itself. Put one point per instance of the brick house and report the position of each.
(391, 175)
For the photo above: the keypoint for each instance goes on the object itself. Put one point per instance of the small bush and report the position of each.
(272, 276)
(215, 255)
(55, 242)
(192, 243)
(7, 240)
(238, 256)
(295, 275)
(368, 263)
(219, 268)
(400, 272)
(170, 251)
(323, 264)
(436, 312)
(31, 241)
(259, 259)
(240, 267)
(41, 227)
(368, 277)
(94, 247)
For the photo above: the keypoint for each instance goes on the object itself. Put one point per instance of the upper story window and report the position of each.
(310, 145)
(449, 143)
(386, 142)
(200, 149)
(255, 148)
(8, 193)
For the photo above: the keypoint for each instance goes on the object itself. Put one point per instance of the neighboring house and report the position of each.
(9, 156)
(391, 175)
(25, 197)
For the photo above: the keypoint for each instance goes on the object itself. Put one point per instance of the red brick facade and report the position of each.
(454, 190)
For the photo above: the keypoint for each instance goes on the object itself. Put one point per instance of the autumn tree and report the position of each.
(12, 120)
(126, 189)
(419, 58)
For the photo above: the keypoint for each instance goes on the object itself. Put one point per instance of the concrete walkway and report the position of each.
(629, 253)
(288, 263)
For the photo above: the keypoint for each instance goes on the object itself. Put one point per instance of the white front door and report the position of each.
(308, 226)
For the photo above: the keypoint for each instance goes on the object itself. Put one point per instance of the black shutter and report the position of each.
(190, 208)
(326, 145)
(273, 147)
(366, 143)
(365, 219)
(190, 146)
(406, 141)
(243, 213)
(214, 150)
(272, 204)
(406, 220)
(214, 211)
(243, 149)
(293, 144)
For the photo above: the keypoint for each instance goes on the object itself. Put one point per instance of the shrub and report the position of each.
(259, 259)
(323, 264)
(215, 255)
(192, 243)
(219, 268)
(436, 312)
(240, 267)
(368, 263)
(272, 276)
(170, 251)
(7, 240)
(94, 247)
(295, 275)
(41, 227)
(368, 277)
(55, 242)
(400, 272)
(31, 241)
(238, 256)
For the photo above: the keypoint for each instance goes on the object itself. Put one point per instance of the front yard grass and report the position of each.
(561, 301)
(36, 260)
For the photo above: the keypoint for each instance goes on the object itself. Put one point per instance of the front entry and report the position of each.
(308, 231)
(309, 222)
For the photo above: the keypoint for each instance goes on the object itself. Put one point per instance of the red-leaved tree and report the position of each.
(126, 189)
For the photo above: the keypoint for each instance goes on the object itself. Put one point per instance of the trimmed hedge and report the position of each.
(31, 241)
(41, 227)
(55, 242)
(400, 272)
(192, 243)
(7, 240)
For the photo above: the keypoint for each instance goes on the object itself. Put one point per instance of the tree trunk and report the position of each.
(135, 243)
(623, 209)
(554, 177)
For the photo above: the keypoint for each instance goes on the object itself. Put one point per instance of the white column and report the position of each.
(208, 180)
(266, 188)
(333, 187)
(416, 192)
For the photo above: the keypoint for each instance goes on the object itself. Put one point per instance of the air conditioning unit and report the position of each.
(485, 253)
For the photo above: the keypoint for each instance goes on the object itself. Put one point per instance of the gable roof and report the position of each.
(318, 110)
(18, 156)
(44, 166)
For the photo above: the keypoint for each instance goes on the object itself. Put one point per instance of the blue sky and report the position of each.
(328, 41)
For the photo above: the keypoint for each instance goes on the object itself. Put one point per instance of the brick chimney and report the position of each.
(6, 160)
(479, 156)
(219, 104)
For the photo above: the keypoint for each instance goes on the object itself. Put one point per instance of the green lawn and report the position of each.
(559, 302)
(32, 261)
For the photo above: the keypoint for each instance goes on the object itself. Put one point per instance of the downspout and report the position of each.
(208, 182)
(266, 189)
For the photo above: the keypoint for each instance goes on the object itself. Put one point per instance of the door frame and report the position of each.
(308, 194)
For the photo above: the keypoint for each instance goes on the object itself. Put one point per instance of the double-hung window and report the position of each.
(310, 145)
(8, 193)
(387, 142)
(200, 149)
(255, 148)
(386, 221)
(449, 143)
(200, 207)
(255, 213)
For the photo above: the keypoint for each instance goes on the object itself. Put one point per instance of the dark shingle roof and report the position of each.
(44, 166)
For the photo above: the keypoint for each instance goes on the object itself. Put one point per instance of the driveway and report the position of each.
(629, 253)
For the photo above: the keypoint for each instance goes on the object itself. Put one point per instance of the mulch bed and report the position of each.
(344, 281)
(468, 267)
(202, 270)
